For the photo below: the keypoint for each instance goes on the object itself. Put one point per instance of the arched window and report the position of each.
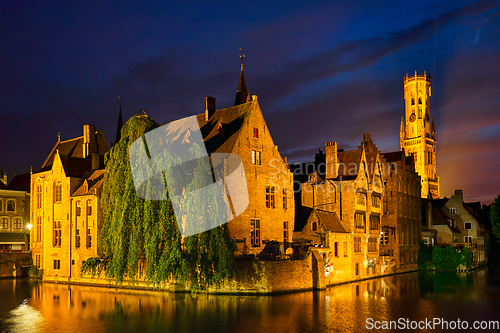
(314, 226)
(420, 100)
(4, 223)
(58, 192)
(11, 205)
(17, 223)
(412, 100)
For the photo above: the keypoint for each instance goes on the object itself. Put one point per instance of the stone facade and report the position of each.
(15, 215)
(402, 218)
(453, 222)
(351, 184)
(418, 134)
(54, 208)
(242, 130)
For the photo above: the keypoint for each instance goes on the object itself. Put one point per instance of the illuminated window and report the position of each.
(255, 232)
(255, 132)
(375, 201)
(4, 223)
(468, 239)
(270, 197)
(453, 211)
(256, 157)
(17, 223)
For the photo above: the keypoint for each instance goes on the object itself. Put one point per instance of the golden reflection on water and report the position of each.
(342, 308)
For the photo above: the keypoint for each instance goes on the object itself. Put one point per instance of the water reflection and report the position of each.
(343, 308)
(24, 318)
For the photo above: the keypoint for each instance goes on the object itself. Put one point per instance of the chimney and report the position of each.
(332, 164)
(95, 161)
(210, 107)
(459, 194)
(89, 142)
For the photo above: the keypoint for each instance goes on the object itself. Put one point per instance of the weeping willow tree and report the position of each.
(135, 228)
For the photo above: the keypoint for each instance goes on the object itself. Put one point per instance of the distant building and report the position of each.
(453, 222)
(14, 213)
(402, 218)
(65, 204)
(418, 134)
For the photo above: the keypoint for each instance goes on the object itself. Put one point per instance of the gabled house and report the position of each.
(55, 212)
(350, 184)
(453, 222)
(242, 130)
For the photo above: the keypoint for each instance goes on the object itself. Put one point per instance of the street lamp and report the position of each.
(29, 226)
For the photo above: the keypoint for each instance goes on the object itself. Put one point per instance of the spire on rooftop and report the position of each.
(242, 92)
(120, 123)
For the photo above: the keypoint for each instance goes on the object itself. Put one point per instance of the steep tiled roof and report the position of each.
(94, 181)
(349, 163)
(440, 218)
(20, 182)
(231, 120)
(331, 221)
(393, 156)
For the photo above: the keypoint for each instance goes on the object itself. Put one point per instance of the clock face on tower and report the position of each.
(412, 117)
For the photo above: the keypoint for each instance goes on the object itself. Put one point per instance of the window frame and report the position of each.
(468, 223)
(58, 192)
(255, 132)
(270, 197)
(255, 235)
(4, 222)
(17, 223)
(8, 201)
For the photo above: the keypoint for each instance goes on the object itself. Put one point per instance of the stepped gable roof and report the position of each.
(330, 221)
(20, 182)
(94, 180)
(230, 119)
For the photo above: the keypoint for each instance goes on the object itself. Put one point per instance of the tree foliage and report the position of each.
(135, 229)
(495, 217)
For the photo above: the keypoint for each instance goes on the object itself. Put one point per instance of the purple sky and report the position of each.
(323, 72)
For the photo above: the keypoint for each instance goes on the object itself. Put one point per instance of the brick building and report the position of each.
(242, 130)
(402, 218)
(351, 185)
(64, 207)
(14, 213)
(418, 134)
(453, 222)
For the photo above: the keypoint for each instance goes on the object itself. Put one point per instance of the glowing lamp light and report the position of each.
(29, 226)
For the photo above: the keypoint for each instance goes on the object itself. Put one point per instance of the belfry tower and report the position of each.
(418, 133)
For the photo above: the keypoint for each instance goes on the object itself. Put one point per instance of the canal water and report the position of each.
(28, 306)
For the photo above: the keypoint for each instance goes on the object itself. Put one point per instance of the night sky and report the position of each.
(322, 71)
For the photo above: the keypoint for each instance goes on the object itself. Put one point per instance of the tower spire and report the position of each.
(120, 124)
(242, 92)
